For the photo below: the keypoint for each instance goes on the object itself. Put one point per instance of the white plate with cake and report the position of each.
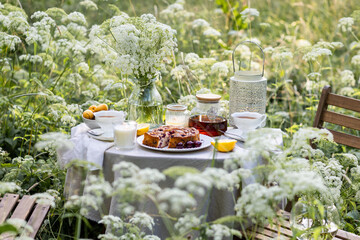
(174, 139)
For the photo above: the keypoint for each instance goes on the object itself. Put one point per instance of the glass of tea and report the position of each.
(247, 121)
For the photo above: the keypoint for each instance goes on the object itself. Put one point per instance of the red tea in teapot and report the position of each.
(212, 127)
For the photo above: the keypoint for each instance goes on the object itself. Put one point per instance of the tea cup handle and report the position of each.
(263, 119)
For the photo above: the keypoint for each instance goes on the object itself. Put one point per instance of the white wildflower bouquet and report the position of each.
(141, 44)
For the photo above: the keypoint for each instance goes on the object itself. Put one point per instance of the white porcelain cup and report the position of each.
(248, 121)
(106, 119)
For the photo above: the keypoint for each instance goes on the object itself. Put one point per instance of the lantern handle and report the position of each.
(263, 54)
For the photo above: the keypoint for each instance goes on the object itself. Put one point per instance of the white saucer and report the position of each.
(94, 134)
(235, 133)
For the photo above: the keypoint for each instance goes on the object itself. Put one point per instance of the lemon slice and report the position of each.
(142, 128)
(224, 145)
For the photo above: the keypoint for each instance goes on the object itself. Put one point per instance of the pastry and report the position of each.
(172, 137)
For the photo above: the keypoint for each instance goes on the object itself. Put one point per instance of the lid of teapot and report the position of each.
(208, 97)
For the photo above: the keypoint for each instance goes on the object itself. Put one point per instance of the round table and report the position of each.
(215, 205)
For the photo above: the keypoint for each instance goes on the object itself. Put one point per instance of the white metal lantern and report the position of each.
(247, 89)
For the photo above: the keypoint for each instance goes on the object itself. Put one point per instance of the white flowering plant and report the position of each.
(141, 45)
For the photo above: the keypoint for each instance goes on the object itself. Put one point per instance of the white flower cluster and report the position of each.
(220, 68)
(45, 198)
(250, 12)
(186, 223)
(9, 41)
(179, 72)
(7, 187)
(141, 44)
(31, 58)
(347, 78)
(88, 4)
(345, 24)
(203, 26)
(355, 60)
(315, 53)
(218, 231)
(176, 11)
(142, 219)
(175, 200)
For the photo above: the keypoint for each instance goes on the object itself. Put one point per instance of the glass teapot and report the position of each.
(206, 116)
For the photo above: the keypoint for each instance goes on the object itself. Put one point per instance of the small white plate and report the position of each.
(206, 142)
(235, 133)
(100, 137)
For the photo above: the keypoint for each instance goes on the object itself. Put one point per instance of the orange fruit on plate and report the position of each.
(92, 108)
(88, 114)
(101, 107)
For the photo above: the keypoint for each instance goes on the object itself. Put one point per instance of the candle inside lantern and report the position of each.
(125, 135)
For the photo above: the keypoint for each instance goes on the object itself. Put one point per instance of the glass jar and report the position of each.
(206, 116)
(176, 115)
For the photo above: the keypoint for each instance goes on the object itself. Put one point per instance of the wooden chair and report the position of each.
(324, 115)
(283, 231)
(25, 209)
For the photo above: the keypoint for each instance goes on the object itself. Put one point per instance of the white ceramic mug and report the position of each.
(247, 121)
(105, 119)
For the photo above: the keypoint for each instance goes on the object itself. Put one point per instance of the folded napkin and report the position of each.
(84, 148)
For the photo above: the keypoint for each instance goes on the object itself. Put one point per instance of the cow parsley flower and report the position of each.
(347, 91)
(355, 173)
(191, 58)
(151, 237)
(347, 78)
(113, 221)
(282, 56)
(248, 12)
(315, 53)
(44, 199)
(126, 169)
(220, 178)
(88, 4)
(211, 32)
(142, 219)
(345, 24)
(7, 187)
(193, 183)
(218, 231)
(314, 76)
(200, 23)
(142, 44)
(9, 41)
(75, 17)
(108, 236)
(39, 15)
(21, 225)
(220, 68)
(179, 72)
(175, 200)
(355, 60)
(186, 223)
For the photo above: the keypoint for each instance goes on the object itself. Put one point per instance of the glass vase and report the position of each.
(310, 220)
(145, 102)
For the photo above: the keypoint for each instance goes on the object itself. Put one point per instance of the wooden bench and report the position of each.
(283, 231)
(25, 209)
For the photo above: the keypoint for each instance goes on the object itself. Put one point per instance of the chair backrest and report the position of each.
(324, 115)
(26, 209)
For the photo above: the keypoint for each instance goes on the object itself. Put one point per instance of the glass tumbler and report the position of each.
(125, 135)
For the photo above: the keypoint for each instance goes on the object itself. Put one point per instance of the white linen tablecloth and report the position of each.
(220, 203)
